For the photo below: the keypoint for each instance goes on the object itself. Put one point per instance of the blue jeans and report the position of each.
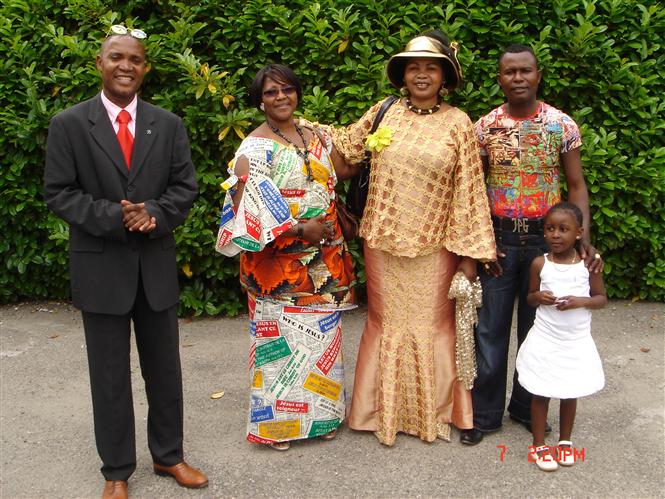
(493, 330)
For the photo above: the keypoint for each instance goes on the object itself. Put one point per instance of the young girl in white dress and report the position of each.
(558, 357)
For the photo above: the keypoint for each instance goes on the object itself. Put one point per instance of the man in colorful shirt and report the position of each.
(524, 144)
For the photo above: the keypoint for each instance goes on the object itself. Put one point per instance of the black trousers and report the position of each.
(108, 344)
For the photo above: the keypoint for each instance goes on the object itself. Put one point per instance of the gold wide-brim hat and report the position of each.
(424, 46)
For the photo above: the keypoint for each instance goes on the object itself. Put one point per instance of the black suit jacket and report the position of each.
(84, 180)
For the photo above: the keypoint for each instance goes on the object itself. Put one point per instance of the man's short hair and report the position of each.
(518, 48)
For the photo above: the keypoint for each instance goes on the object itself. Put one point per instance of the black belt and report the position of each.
(519, 225)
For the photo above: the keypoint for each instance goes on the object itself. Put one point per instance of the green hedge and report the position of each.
(603, 62)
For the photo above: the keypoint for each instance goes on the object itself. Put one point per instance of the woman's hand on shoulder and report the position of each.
(342, 169)
(310, 129)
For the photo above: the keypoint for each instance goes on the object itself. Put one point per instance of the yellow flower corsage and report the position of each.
(379, 139)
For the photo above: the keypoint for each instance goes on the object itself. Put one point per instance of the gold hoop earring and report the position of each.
(404, 91)
(443, 91)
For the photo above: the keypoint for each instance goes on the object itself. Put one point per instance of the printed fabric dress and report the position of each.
(295, 290)
(426, 207)
(558, 358)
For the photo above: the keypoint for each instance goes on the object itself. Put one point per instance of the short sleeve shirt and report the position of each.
(524, 157)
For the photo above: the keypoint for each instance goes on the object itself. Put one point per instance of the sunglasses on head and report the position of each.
(274, 92)
(119, 29)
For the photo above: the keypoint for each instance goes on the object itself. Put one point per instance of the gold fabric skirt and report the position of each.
(405, 377)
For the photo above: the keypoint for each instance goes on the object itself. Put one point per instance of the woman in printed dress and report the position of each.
(280, 215)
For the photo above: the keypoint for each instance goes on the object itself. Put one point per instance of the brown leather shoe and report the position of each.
(115, 489)
(184, 474)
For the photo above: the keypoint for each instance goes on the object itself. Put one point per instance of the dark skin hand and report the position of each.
(314, 229)
(468, 267)
(136, 218)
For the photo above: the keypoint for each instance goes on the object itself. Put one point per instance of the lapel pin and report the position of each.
(148, 131)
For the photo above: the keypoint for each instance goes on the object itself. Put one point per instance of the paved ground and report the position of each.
(48, 447)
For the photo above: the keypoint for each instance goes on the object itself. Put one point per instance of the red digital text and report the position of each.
(558, 452)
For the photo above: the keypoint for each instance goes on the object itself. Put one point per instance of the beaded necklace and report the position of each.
(418, 110)
(303, 153)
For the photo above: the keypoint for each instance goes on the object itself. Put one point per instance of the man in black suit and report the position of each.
(119, 172)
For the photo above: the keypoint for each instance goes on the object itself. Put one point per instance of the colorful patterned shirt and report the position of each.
(524, 159)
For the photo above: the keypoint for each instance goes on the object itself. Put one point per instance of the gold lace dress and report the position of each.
(427, 205)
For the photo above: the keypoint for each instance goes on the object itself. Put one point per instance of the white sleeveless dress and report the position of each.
(558, 358)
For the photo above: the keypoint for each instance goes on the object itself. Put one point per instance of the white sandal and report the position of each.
(566, 456)
(546, 461)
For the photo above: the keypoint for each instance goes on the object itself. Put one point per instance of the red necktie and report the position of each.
(125, 137)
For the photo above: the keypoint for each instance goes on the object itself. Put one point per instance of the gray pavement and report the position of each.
(47, 444)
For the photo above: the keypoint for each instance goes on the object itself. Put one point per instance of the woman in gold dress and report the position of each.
(426, 218)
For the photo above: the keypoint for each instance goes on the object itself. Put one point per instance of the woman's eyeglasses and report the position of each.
(119, 29)
(274, 92)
